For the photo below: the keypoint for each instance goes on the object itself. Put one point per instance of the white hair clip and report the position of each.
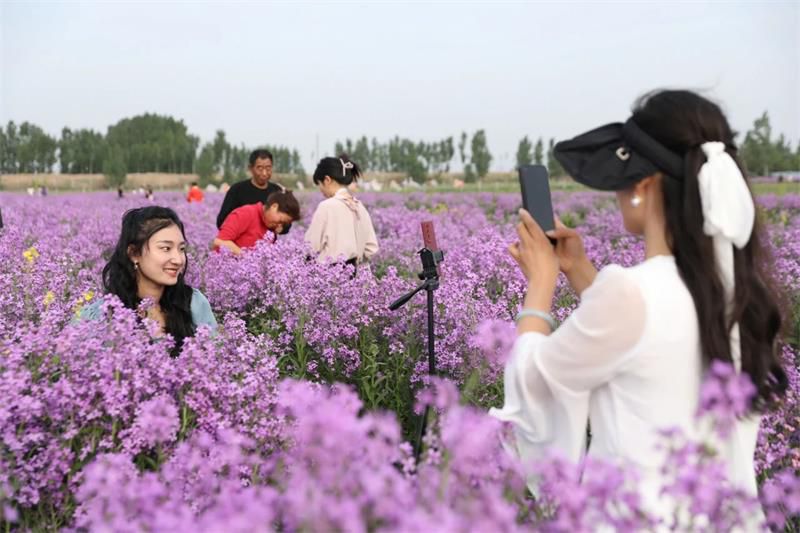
(345, 166)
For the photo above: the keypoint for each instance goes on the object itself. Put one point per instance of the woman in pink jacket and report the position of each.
(341, 228)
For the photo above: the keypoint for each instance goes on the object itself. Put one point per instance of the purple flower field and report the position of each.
(300, 413)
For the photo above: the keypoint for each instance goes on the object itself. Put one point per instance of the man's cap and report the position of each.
(616, 156)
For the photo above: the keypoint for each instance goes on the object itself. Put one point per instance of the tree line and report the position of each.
(763, 154)
(420, 159)
(528, 153)
(144, 143)
(156, 143)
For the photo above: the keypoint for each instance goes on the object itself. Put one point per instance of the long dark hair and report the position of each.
(332, 166)
(682, 121)
(119, 275)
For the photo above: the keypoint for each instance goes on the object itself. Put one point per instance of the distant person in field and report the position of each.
(149, 261)
(248, 224)
(257, 189)
(195, 193)
(341, 228)
(630, 359)
(149, 193)
(120, 193)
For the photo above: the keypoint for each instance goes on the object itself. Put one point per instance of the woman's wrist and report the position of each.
(581, 275)
(539, 295)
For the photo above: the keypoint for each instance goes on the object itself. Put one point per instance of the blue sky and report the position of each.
(292, 73)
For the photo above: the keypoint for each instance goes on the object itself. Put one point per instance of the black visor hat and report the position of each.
(616, 156)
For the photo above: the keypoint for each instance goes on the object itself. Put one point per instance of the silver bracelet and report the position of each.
(547, 317)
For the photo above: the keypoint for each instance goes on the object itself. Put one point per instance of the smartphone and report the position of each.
(535, 184)
(429, 236)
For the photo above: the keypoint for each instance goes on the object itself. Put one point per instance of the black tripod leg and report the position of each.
(421, 434)
(431, 352)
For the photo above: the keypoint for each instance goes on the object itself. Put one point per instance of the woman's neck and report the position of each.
(148, 289)
(655, 240)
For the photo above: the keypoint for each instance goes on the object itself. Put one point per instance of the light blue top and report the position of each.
(201, 311)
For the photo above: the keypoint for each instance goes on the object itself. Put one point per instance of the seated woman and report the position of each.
(149, 261)
(248, 224)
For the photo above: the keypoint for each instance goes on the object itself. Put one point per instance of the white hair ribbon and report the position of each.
(345, 166)
(729, 214)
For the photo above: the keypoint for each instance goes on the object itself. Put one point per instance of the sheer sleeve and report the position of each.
(548, 379)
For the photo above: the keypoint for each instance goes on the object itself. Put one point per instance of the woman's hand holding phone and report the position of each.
(572, 258)
(534, 254)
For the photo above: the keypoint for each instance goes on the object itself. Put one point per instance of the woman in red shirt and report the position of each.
(247, 225)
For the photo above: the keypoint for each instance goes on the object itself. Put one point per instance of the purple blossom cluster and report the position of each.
(297, 414)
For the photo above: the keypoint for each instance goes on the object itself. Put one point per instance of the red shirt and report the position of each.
(244, 226)
(195, 195)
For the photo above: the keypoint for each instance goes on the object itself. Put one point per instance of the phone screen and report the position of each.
(535, 185)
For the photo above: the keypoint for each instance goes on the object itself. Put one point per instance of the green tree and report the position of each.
(338, 148)
(205, 165)
(447, 152)
(481, 158)
(462, 145)
(360, 153)
(8, 149)
(81, 151)
(469, 172)
(524, 156)
(5, 163)
(554, 168)
(114, 168)
(375, 156)
(757, 150)
(220, 148)
(154, 143)
(36, 150)
(297, 165)
(797, 157)
(538, 152)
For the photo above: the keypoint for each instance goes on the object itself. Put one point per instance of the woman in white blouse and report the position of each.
(341, 228)
(630, 359)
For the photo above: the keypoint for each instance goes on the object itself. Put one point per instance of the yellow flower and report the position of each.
(48, 298)
(30, 254)
(88, 295)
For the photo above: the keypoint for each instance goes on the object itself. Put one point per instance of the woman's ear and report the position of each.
(648, 184)
(132, 255)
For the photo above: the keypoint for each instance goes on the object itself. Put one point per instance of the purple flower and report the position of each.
(725, 396)
(495, 339)
(156, 423)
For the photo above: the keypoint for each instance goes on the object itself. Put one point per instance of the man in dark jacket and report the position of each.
(256, 189)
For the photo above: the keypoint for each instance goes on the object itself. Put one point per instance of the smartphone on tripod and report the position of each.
(534, 182)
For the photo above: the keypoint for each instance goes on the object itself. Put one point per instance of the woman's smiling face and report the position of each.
(163, 257)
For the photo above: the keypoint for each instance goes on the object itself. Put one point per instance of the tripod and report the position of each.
(430, 282)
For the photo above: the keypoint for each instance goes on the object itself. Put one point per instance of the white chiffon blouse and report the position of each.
(628, 361)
